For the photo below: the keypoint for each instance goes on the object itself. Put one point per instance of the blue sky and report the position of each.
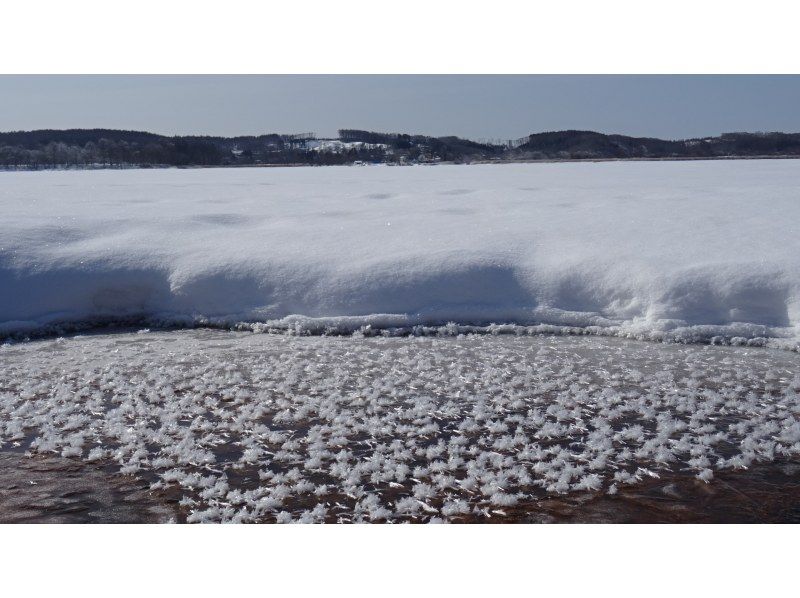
(475, 106)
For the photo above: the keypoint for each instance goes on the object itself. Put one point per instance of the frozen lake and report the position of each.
(376, 402)
(264, 427)
(676, 250)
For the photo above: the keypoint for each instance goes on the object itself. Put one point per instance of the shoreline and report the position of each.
(442, 163)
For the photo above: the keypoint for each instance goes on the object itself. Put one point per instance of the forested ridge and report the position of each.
(96, 148)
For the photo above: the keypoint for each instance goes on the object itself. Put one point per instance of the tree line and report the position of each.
(87, 148)
(592, 145)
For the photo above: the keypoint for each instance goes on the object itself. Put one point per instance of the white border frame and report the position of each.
(408, 36)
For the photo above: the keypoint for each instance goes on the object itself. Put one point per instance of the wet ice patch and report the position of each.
(308, 429)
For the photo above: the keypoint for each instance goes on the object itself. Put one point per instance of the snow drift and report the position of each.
(694, 250)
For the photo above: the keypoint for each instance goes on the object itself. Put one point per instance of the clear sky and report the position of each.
(476, 106)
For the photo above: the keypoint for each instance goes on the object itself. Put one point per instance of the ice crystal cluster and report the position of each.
(277, 428)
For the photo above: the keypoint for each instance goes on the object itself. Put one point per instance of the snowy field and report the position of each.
(656, 250)
(345, 416)
(264, 427)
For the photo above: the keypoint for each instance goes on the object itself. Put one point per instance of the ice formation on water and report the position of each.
(282, 428)
(660, 250)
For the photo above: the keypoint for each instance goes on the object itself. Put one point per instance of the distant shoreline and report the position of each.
(96, 148)
(443, 163)
(664, 159)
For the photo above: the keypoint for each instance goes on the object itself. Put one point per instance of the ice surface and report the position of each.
(677, 250)
(254, 427)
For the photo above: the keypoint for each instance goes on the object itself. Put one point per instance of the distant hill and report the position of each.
(41, 137)
(589, 144)
(86, 148)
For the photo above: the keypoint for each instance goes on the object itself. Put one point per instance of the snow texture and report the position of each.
(280, 428)
(687, 251)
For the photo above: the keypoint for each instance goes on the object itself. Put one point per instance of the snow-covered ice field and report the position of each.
(264, 427)
(660, 250)
(366, 424)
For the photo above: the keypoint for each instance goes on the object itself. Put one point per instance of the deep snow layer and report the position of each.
(685, 250)
(253, 427)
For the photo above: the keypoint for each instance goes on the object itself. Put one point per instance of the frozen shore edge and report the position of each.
(398, 325)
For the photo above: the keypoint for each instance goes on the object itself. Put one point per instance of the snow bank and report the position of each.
(694, 250)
